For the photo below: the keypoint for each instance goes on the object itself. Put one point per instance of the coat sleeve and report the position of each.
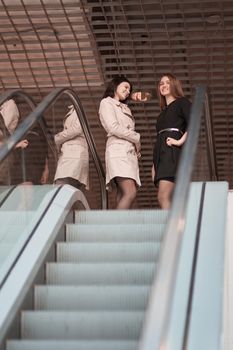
(71, 129)
(10, 115)
(111, 125)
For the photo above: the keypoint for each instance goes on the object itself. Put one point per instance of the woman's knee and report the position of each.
(162, 196)
(132, 193)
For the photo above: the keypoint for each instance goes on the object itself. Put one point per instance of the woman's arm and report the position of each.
(45, 174)
(173, 142)
(71, 130)
(153, 173)
(22, 144)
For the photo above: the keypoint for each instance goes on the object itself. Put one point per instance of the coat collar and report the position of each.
(125, 109)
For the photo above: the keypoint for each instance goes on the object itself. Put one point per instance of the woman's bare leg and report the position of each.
(126, 193)
(165, 193)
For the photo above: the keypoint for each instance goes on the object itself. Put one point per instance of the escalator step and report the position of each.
(107, 252)
(121, 216)
(115, 233)
(107, 298)
(81, 325)
(100, 274)
(71, 345)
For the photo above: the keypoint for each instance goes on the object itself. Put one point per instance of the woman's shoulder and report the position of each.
(9, 109)
(108, 100)
(183, 100)
(8, 104)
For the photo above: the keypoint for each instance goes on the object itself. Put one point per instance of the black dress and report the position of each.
(165, 158)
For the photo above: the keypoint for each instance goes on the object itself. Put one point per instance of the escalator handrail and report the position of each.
(35, 116)
(31, 103)
(10, 94)
(156, 323)
(211, 153)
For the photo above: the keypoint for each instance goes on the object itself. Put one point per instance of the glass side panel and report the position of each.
(4, 190)
(19, 215)
(201, 170)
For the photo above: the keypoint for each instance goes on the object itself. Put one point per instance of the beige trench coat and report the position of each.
(10, 114)
(73, 160)
(120, 155)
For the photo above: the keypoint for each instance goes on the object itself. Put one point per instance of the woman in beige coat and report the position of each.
(123, 143)
(73, 161)
(9, 119)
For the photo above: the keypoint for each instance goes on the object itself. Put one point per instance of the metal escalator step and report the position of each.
(107, 252)
(71, 345)
(121, 216)
(106, 298)
(81, 325)
(100, 274)
(115, 233)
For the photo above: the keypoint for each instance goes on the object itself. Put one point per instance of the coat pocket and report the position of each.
(117, 150)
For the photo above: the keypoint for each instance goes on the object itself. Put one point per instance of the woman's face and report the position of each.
(165, 86)
(122, 91)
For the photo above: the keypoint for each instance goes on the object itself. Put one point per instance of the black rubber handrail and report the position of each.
(156, 325)
(36, 115)
(31, 103)
(18, 92)
(211, 148)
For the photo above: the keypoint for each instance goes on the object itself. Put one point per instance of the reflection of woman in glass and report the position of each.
(9, 118)
(123, 144)
(73, 160)
(171, 134)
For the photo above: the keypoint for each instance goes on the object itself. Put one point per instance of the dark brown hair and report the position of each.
(175, 88)
(113, 84)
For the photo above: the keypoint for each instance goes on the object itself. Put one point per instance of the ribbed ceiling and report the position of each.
(82, 44)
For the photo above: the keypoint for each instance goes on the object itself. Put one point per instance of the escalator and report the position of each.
(139, 279)
(96, 283)
(96, 292)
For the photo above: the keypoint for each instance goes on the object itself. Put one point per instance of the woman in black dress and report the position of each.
(171, 130)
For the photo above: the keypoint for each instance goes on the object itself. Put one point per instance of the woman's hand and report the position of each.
(45, 175)
(140, 96)
(173, 142)
(22, 144)
(138, 147)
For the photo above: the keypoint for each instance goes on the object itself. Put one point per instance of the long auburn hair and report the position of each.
(175, 88)
(113, 84)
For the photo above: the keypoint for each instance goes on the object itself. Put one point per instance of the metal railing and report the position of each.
(211, 153)
(36, 116)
